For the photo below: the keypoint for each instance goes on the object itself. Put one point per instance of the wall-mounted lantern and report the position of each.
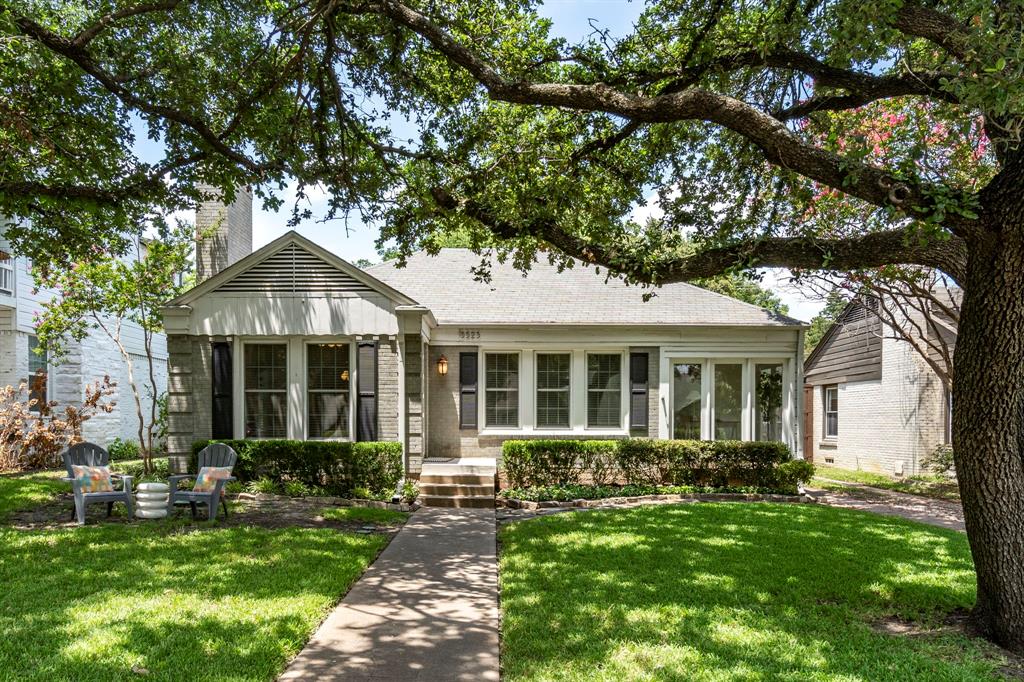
(442, 365)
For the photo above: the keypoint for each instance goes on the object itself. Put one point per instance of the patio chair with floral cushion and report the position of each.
(88, 467)
(215, 463)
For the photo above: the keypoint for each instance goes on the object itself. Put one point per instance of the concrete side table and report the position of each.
(151, 500)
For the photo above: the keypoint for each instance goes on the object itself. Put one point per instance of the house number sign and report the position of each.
(469, 334)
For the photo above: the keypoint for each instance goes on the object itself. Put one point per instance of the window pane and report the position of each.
(686, 380)
(265, 414)
(501, 406)
(38, 368)
(266, 383)
(604, 390)
(553, 390)
(327, 365)
(728, 402)
(831, 412)
(768, 389)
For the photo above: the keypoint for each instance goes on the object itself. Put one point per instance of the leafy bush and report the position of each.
(327, 467)
(410, 491)
(262, 485)
(646, 462)
(565, 493)
(136, 469)
(123, 449)
(557, 462)
(940, 460)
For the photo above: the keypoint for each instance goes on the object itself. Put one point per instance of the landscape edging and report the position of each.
(513, 503)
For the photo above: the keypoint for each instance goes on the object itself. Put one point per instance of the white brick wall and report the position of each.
(882, 424)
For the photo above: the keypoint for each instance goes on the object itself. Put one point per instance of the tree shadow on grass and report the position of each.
(94, 602)
(731, 592)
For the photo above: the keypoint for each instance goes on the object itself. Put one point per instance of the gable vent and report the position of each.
(293, 270)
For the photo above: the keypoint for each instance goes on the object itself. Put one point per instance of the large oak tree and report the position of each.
(810, 134)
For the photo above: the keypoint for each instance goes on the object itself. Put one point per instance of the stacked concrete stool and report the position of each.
(151, 501)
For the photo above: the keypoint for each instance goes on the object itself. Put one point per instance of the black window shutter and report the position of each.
(366, 373)
(638, 388)
(223, 426)
(467, 390)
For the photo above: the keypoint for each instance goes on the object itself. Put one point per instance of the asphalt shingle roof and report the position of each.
(576, 296)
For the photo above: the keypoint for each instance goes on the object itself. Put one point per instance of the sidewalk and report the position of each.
(890, 503)
(427, 609)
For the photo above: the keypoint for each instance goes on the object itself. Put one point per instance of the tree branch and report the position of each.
(933, 25)
(779, 145)
(87, 34)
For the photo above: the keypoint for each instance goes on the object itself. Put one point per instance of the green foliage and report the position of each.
(566, 493)
(701, 464)
(297, 489)
(182, 602)
(123, 449)
(835, 302)
(744, 287)
(263, 485)
(159, 469)
(410, 491)
(940, 460)
(334, 467)
(736, 591)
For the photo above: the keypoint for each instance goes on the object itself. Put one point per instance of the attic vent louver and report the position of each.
(293, 270)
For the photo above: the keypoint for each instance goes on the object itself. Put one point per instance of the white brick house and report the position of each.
(86, 362)
(294, 342)
(874, 404)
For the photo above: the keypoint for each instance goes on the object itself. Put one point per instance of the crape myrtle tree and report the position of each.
(809, 134)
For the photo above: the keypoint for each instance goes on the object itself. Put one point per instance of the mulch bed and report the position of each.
(265, 511)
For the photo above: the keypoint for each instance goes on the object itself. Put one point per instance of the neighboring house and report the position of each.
(873, 403)
(294, 342)
(86, 362)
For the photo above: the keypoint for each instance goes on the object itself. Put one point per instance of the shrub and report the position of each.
(940, 460)
(557, 462)
(330, 467)
(297, 489)
(262, 485)
(123, 449)
(648, 462)
(136, 469)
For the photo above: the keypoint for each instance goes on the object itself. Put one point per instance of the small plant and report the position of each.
(123, 449)
(296, 489)
(234, 487)
(361, 493)
(410, 491)
(262, 485)
(940, 460)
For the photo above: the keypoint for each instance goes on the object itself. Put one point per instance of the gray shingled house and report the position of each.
(294, 342)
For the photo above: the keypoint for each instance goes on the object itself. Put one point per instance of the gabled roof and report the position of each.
(306, 257)
(576, 296)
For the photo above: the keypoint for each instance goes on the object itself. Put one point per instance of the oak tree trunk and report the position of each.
(988, 418)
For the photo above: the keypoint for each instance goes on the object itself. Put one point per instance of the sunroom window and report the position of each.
(604, 390)
(501, 400)
(327, 402)
(768, 398)
(728, 401)
(266, 390)
(553, 390)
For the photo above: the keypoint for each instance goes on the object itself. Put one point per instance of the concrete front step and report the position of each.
(458, 501)
(455, 490)
(454, 479)
(430, 469)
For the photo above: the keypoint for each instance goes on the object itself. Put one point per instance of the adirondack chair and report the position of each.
(90, 454)
(213, 455)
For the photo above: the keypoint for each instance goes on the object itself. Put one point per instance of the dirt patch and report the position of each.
(1009, 664)
(279, 512)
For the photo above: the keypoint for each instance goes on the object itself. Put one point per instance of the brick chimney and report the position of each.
(231, 239)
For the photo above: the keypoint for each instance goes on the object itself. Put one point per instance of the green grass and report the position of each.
(24, 491)
(364, 515)
(182, 602)
(733, 592)
(937, 487)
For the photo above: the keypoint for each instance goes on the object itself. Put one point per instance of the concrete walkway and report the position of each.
(890, 503)
(427, 609)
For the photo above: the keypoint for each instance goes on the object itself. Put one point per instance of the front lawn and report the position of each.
(23, 491)
(165, 600)
(735, 591)
(937, 487)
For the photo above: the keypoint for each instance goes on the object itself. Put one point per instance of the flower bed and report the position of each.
(581, 496)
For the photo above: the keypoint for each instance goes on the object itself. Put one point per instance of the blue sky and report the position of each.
(352, 240)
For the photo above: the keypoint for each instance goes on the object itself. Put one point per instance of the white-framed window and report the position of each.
(38, 374)
(687, 399)
(265, 377)
(328, 390)
(554, 372)
(501, 390)
(728, 400)
(604, 390)
(831, 403)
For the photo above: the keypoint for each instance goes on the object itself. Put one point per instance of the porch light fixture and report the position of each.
(442, 365)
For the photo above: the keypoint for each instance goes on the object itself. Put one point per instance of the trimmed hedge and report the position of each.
(334, 467)
(705, 464)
